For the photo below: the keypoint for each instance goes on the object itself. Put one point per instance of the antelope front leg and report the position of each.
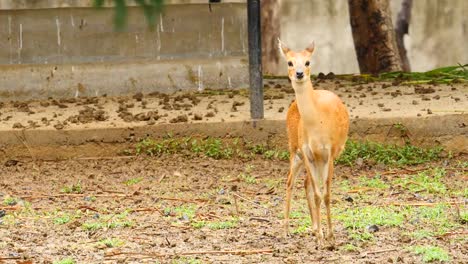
(295, 168)
(312, 184)
(326, 197)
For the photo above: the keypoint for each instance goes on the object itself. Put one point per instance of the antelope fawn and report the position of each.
(317, 124)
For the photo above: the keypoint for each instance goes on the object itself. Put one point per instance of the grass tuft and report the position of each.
(387, 154)
(65, 261)
(431, 253)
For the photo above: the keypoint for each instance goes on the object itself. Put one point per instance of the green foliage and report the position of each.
(357, 218)
(74, 188)
(188, 211)
(247, 176)
(375, 182)
(65, 261)
(151, 8)
(133, 181)
(108, 221)
(215, 148)
(65, 218)
(431, 253)
(440, 75)
(216, 225)
(10, 201)
(387, 154)
(349, 248)
(426, 181)
(111, 242)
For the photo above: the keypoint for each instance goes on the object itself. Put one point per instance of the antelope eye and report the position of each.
(290, 64)
(307, 63)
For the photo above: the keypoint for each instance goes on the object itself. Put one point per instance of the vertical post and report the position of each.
(255, 59)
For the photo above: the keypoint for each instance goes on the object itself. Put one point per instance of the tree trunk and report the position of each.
(402, 25)
(374, 37)
(270, 24)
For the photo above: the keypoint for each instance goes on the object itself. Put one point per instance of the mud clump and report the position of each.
(179, 119)
(423, 90)
(88, 115)
(210, 114)
(23, 107)
(235, 104)
(18, 125)
(151, 115)
(138, 96)
(197, 117)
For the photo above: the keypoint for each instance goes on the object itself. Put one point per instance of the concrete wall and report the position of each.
(53, 52)
(49, 47)
(438, 33)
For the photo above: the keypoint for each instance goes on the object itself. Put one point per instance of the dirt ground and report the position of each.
(172, 209)
(376, 99)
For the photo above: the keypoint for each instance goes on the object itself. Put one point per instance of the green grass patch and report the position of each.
(349, 248)
(422, 233)
(359, 218)
(74, 188)
(184, 211)
(216, 225)
(10, 201)
(375, 182)
(63, 219)
(247, 176)
(387, 154)
(218, 148)
(431, 253)
(186, 260)
(65, 261)
(133, 181)
(427, 181)
(448, 74)
(112, 242)
(108, 221)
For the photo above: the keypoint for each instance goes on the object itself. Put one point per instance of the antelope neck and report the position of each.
(305, 98)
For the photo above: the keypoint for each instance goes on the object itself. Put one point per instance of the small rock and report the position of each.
(221, 192)
(423, 90)
(138, 96)
(209, 114)
(197, 117)
(2, 213)
(10, 163)
(58, 126)
(281, 109)
(349, 199)
(18, 125)
(372, 228)
(179, 119)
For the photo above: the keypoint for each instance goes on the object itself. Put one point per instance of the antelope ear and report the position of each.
(283, 49)
(311, 47)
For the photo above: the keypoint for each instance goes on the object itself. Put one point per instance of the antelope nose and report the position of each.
(299, 75)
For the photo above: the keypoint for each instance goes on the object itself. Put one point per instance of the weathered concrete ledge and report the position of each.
(39, 81)
(449, 131)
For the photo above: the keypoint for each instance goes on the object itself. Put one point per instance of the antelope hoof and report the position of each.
(286, 229)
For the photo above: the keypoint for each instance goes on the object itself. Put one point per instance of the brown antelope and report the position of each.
(317, 123)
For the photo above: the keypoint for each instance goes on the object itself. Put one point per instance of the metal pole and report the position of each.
(255, 59)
